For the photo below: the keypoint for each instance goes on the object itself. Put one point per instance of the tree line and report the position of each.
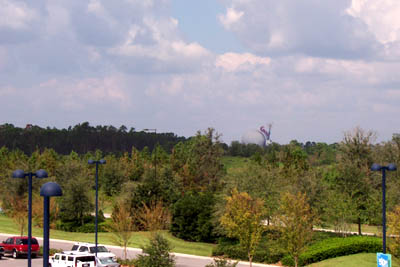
(82, 138)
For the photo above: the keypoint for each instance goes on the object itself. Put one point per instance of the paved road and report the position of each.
(182, 260)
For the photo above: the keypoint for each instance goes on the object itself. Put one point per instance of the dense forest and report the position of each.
(193, 181)
(82, 138)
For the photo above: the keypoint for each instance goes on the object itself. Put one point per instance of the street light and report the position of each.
(377, 167)
(155, 155)
(48, 190)
(22, 174)
(97, 162)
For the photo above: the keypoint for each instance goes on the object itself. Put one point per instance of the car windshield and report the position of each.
(107, 260)
(99, 249)
(75, 247)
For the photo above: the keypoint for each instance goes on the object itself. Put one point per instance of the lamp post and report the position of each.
(377, 167)
(48, 190)
(155, 155)
(22, 174)
(97, 162)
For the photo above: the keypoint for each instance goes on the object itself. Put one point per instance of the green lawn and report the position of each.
(356, 260)
(138, 239)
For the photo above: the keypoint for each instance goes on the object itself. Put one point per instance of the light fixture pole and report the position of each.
(97, 162)
(48, 190)
(377, 167)
(155, 154)
(22, 174)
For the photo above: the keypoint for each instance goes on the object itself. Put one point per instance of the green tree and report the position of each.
(156, 254)
(197, 163)
(355, 178)
(192, 217)
(297, 220)
(243, 219)
(122, 225)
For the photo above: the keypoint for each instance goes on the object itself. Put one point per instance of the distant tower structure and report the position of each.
(261, 137)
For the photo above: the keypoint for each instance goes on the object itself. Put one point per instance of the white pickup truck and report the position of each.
(72, 260)
(105, 258)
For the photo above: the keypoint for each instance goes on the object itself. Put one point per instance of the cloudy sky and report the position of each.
(313, 68)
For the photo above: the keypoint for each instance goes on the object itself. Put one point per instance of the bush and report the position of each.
(336, 247)
(128, 262)
(88, 227)
(222, 263)
(52, 251)
(191, 217)
(156, 254)
(269, 250)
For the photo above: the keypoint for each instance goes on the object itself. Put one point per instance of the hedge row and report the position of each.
(336, 247)
(86, 228)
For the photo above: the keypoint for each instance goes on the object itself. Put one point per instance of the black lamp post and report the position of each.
(48, 190)
(155, 155)
(377, 167)
(22, 174)
(97, 162)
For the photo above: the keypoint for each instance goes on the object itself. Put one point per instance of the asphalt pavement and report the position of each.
(182, 260)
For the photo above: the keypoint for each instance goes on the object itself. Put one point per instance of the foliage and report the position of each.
(192, 217)
(243, 219)
(394, 231)
(121, 226)
(297, 220)
(18, 213)
(154, 217)
(355, 179)
(336, 247)
(269, 250)
(129, 262)
(83, 138)
(222, 262)
(156, 254)
(197, 163)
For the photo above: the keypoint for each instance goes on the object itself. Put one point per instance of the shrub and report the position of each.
(269, 249)
(86, 228)
(191, 217)
(336, 247)
(221, 262)
(156, 254)
(129, 262)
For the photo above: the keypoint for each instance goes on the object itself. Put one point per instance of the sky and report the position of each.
(312, 68)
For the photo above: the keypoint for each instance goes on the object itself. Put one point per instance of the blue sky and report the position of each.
(198, 21)
(314, 69)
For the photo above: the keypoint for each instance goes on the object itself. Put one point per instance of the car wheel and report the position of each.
(15, 254)
(33, 255)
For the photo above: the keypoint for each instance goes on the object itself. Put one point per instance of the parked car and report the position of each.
(1, 252)
(72, 260)
(18, 245)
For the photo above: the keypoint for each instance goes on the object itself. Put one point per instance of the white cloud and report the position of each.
(315, 28)
(16, 15)
(231, 17)
(235, 61)
(381, 16)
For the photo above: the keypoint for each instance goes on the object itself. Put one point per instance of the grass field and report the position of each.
(356, 260)
(138, 239)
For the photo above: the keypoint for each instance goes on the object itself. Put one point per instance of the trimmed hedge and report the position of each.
(336, 247)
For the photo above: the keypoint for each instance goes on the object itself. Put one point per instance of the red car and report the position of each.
(18, 245)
